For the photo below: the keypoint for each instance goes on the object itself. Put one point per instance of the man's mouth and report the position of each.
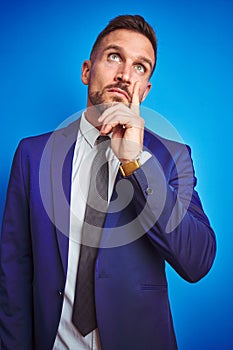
(119, 92)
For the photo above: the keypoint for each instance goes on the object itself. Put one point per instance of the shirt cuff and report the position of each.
(144, 156)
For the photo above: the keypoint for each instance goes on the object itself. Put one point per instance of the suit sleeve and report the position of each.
(170, 212)
(16, 264)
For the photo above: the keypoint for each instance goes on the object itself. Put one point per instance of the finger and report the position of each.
(117, 132)
(112, 121)
(109, 111)
(122, 115)
(135, 103)
(107, 126)
(106, 129)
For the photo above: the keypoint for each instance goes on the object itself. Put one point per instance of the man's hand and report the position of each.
(127, 127)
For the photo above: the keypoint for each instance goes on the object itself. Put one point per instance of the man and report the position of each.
(154, 215)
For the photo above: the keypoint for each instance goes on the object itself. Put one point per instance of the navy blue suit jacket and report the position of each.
(162, 221)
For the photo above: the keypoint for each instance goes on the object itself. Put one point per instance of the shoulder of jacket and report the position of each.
(151, 139)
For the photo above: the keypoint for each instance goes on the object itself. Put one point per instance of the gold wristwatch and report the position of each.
(128, 168)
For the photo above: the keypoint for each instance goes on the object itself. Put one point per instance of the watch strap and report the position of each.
(128, 168)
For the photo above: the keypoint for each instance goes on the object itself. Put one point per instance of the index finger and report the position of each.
(135, 98)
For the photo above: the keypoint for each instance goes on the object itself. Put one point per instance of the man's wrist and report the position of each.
(125, 161)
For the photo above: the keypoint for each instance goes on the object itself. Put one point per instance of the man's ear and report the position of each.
(146, 91)
(86, 69)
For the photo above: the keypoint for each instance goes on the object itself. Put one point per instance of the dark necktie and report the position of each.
(84, 314)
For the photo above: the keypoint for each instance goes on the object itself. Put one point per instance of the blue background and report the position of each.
(42, 46)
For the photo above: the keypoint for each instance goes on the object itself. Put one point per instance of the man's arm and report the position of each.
(16, 267)
(170, 211)
(167, 205)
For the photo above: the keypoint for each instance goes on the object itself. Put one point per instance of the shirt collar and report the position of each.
(88, 131)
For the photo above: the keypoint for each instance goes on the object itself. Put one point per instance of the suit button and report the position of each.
(149, 191)
(60, 293)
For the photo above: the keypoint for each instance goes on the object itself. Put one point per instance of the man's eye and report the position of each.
(114, 57)
(140, 68)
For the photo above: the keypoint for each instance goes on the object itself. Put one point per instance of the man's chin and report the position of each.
(105, 105)
(102, 101)
(118, 99)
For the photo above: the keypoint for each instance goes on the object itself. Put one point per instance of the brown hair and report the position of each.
(135, 23)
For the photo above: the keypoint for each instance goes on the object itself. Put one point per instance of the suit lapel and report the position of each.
(61, 172)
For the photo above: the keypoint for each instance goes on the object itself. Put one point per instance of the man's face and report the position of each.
(122, 58)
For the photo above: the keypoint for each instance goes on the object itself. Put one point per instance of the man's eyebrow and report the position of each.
(140, 58)
(113, 47)
(146, 60)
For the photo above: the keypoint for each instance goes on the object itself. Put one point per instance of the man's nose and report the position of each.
(124, 74)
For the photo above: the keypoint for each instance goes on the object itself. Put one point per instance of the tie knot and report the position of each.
(102, 142)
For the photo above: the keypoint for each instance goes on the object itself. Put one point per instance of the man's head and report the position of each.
(123, 53)
(134, 23)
